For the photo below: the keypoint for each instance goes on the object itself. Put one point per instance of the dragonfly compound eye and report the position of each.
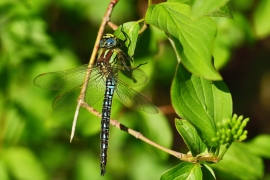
(110, 43)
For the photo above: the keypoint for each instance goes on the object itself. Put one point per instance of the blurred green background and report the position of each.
(45, 35)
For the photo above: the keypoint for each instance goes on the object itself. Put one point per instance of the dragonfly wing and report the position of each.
(135, 77)
(95, 89)
(67, 101)
(94, 92)
(134, 99)
(62, 80)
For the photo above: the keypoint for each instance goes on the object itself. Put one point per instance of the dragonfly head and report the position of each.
(108, 41)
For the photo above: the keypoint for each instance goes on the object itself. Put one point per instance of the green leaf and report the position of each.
(261, 19)
(132, 30)
(23, 164)
(202, 102)
(240, 163)
(192, 39)
(222, 11)
(200, 7)
(260, 145)
(188, 2)
(208, 173)
(183, 171)
(190, 136)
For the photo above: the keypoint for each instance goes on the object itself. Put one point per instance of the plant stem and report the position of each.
(224, 151)
(136, 134)
(149, 3)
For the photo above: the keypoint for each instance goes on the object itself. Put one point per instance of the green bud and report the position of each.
(234, 119)
(243, 137)
(221, 142)
(239, 132)
(222, 131)
(223, 136)
(228, 132)
(228, 139)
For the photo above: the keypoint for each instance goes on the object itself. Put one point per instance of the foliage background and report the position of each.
(43, 36)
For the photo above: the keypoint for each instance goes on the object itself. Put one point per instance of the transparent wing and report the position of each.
(94, 92)
(134, 99)
(67, 101)
(62, 80)
(131, 77)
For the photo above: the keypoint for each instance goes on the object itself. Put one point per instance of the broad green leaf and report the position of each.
(261, 19)
(260, 145)
(188, 2)
(222, 11)
(192, 39)
(190, 136)
(131, 29)
(23, 164)
(202, 7)
(202, 102)
(183, 171)
(208, 173)
(239, 162)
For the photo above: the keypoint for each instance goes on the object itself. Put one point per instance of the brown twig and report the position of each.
(144, 27)
(138, 135)
(134, 133)
(112, 25)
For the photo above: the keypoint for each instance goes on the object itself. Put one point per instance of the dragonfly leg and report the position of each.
(141, 64)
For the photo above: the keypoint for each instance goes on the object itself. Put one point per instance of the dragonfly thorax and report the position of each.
(106, 69)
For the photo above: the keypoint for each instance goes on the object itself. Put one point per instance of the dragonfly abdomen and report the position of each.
(105, 123)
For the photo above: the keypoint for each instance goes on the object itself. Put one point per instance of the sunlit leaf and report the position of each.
(208, 173)
(202, 7)
(131, 29)
(202, 102)
(188, 2)
(222, 11)
(191, 39)
(190, 136)
(183, 171)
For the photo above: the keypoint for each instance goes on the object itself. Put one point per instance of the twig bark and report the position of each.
(138, 135)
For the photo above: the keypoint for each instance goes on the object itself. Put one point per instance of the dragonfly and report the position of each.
(111, 73)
